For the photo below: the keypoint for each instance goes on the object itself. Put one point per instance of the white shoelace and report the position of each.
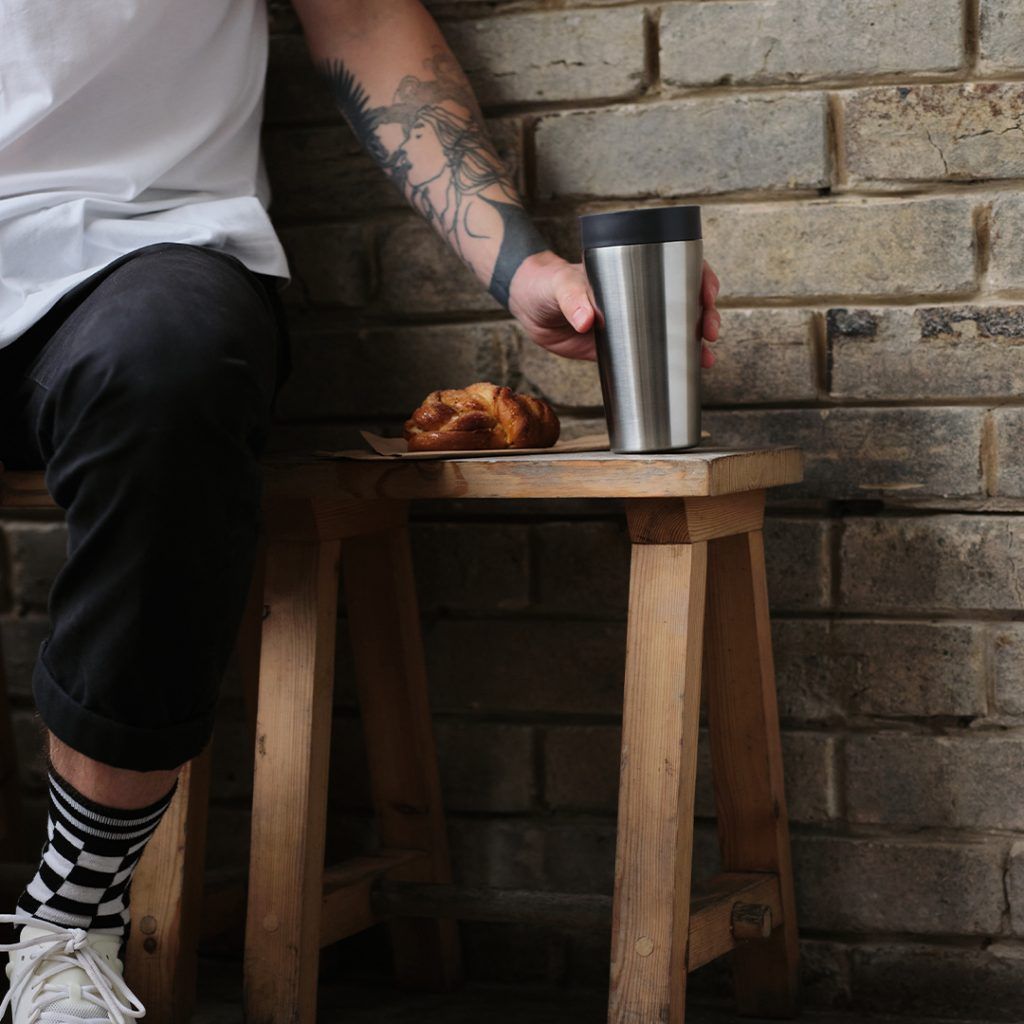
(59, 950)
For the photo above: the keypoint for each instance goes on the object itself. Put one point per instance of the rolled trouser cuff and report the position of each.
(113, 743)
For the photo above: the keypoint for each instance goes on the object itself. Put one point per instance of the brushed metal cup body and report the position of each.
(649, 343)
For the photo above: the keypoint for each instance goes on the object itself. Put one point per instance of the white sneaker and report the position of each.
(61, 975)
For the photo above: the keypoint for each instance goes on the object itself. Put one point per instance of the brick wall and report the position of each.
(860, 166)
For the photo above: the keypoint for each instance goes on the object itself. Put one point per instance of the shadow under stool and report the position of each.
(698, 605)
(167, 892)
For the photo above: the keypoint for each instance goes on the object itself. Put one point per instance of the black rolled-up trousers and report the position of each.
(146, 396)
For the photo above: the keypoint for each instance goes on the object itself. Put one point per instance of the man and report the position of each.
(142, 346)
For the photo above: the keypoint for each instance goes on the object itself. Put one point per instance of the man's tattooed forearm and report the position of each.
(431, 141)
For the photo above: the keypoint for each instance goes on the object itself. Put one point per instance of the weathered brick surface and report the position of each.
(934, 132)
(567, 384)
(1009, 441)
(35, 552)
(532, 666)
(804, 676)
(552, 55)
(420, 273)
(854, 453)
(20, 637)
(471, 568)
(582, 568)
(1005, 268)
(707, 145)
(827, 671)
(809, 762)
(952, 562)
(881, 247)
(1015, 887)
(909, 669)
(581, 767)
(942, 781)
(799, 562)
(769, 41)
(391, 371)
(763, 355)
(926, 353)
(330, 265)
(486, 766)
(891, 885)
(1002, 35)
(1008, 667)
(961, 981)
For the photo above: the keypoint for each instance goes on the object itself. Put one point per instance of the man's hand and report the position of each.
(552, 299)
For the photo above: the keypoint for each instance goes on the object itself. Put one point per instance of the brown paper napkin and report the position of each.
(396, 448)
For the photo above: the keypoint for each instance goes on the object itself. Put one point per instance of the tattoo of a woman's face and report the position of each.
(431, 142)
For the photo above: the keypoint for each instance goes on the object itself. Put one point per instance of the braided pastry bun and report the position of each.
(481, 416)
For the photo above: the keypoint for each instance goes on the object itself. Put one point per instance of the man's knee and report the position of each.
(178, 338)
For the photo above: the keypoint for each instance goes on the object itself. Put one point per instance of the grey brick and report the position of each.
(969, 782)
(579, 856)
(669, 149)
(855, 453)
(1008, 667)
(805, 40)
(35, 552)
(582, 568)
(390, 372)
(894, 885)
(901, 669)
(20, 637)
(534, 666)
(809, 767)
(565, 383)
(931, 352)
(957, 981)
(762, 355)
(471, 567)
(799, 561)
(495, 853)
(1009, 440)
(1015, 888)
(329, 263)
(947, 563)
(1006, 269)
(420, 273)
(877, 247)
(805, 680)
(934, 132)
(1002, 35)
(551, 55)
(581, 767)
(486, 766)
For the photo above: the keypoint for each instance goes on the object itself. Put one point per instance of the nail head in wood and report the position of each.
(751, 921)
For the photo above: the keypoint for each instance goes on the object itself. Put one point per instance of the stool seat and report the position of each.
(700, 472)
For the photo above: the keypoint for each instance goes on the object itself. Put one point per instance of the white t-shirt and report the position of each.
(123, 123)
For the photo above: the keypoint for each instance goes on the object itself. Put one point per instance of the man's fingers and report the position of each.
(712, 325)
(710, 286)
(577, 308)
(707, 358)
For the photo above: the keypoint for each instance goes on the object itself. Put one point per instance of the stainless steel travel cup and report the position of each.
(645, 268)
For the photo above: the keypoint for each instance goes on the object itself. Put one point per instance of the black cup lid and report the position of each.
(639, 227)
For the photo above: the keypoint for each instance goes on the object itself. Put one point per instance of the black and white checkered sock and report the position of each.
(88, 861)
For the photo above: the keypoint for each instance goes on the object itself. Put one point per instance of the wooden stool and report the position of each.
(697, 592)
(167, 890)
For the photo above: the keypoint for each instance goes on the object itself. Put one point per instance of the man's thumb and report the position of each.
(577, 309)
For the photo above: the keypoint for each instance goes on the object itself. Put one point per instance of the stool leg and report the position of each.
(166, 903)
(747, 762)
(293, 735)
(660, 714)
(395, 711)
(12, 844)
